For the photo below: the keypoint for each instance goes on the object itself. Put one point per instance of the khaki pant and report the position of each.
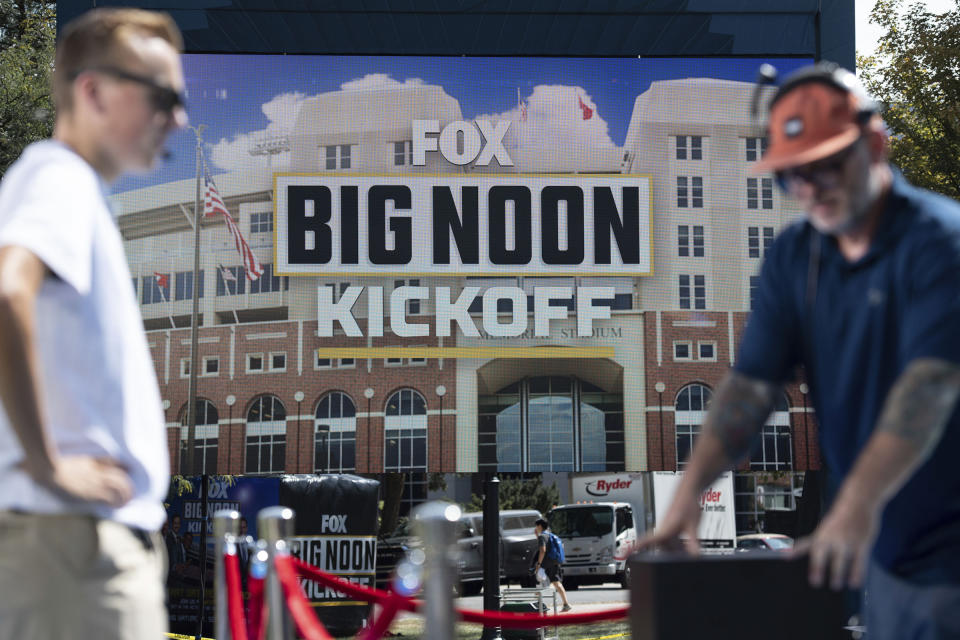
(69, 576)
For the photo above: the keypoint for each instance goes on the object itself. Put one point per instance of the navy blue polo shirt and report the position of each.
(869, 320)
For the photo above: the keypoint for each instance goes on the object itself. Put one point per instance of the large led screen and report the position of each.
(456, 264)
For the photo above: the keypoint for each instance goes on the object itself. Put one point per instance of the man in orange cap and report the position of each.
(865, 294)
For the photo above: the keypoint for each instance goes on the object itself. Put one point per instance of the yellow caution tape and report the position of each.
(616, 635)
(178, 636)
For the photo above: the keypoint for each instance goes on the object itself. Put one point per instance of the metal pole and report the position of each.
(275, 525)
(204, 493)
(298, 438)
(441, 434)
(441, 391)
(491, 552)
(226, 530)
(662, 443)
(230, 441)
(369, 435)
(435, 523)
(195, 311)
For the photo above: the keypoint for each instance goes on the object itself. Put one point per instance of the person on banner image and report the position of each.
(83, 446)
(243, 552)
(176, 551)
(549, 559)
(865, 294)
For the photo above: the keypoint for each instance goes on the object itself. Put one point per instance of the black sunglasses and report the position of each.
(161, 98)
(822, 172)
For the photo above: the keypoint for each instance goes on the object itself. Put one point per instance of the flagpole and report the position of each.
(194, 314)
(166, 302)
(226, 281)
(233, 300)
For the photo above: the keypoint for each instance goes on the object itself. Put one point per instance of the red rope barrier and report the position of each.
(255, 613)
(231, 565)
(382, 624)
(486, 618)
(534, 620)
(297, 603)
(352, 589)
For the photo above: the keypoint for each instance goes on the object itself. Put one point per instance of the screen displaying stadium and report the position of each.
(424, 264)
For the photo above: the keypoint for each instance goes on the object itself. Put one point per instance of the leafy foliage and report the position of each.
(392, 491)
(915, 74)
(517, 493)
(27, 38)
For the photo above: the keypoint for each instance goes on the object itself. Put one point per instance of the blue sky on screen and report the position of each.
(237, 96)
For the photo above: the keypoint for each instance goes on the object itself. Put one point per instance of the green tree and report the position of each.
(516, 493)
(915, 74)
(27, 37)
(392, 492)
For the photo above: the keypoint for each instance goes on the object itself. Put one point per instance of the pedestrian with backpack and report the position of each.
(551, 558)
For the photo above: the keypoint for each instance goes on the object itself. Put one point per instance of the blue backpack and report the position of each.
(555, 547)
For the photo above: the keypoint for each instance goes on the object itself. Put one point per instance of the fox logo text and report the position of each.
(460, 142)
(333, 524)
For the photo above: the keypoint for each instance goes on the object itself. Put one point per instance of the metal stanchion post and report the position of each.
(226, 530)
(491, 553)
(275, 525)
(435, 523)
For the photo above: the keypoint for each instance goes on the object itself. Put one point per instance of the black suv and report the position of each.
(518, 544)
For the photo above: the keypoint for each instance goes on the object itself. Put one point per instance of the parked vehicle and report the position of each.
(613, 509)
(518, 543)
(469, 558)
(764, 542)
(392, 549)
(595, 537)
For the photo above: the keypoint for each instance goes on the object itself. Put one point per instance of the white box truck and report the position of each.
(611, 510)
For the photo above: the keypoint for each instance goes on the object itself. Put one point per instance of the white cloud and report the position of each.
(234, 154)
(374, 81)
(282, 110)
(555, 136)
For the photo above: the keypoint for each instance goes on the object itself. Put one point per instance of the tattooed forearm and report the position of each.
(737, 412)
(921, 402)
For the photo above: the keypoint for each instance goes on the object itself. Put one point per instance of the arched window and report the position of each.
(550, 423)
(204, 439)
(690, 410)
(405, 428)
(773, 450)
(335, 430)
(405, 435)
(266, 435)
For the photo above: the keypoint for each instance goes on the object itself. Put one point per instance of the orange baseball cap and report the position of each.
(809, 122)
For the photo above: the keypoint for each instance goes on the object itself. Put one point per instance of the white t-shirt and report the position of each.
(99, 389)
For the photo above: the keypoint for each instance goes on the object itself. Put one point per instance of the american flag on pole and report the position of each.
(212, 202)
(212, 205)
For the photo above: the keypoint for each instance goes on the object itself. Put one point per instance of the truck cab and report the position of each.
(595, 537)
